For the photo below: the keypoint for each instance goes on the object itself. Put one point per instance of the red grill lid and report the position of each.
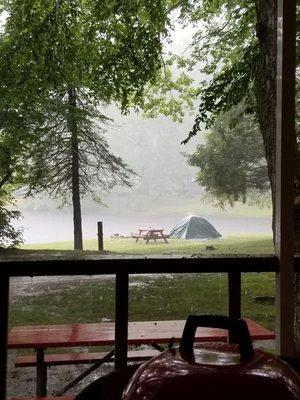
(214, 371)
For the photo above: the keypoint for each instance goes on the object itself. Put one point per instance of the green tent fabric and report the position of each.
(194, 227)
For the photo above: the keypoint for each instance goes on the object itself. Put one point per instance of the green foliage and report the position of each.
(225, 54)
(100, 51)
(107, 49)
(171, 95)
(225, 49)
(50, 171)
(9, 235)
(224, 30)
(12, 173)
(232, 161)
(112, 48)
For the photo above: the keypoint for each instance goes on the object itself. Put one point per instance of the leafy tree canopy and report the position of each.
(51, 154)
(232, 164)
(225, 54)
(10, 236)
(222, 58)
(11, 170)
(225, 49)
(110, 47)
(59, 61)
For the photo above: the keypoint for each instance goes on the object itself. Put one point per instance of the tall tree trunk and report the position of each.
(265, 85)
(72, 124)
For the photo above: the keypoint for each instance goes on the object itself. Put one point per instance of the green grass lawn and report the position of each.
(151, 297)
(255, 244)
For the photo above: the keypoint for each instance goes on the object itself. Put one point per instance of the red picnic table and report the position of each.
(151, 234)
(103, 334)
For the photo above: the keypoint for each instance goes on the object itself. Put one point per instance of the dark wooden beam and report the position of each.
(285, 173)
(121, 319)
(134, 265)
(234, 294)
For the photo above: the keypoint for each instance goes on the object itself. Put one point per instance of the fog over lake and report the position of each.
(163, 191)
(42, 227)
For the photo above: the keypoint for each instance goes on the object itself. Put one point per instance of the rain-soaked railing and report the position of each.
(233, 266)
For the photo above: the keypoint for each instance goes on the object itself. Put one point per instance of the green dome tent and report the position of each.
(194, 227)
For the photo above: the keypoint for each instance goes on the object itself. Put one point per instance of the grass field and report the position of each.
(151, 297)
(258, 244)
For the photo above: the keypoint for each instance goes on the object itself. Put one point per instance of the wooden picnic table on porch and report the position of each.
(150, 234)
(150, 333)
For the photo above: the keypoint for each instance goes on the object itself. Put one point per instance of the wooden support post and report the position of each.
(4, 290)
(234, 298)
(234, 294)
(285, 172)
(41, 374)
(100, 236)
(121, 320)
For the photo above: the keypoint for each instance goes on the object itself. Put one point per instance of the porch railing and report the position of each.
(233, 266)
(122, 268)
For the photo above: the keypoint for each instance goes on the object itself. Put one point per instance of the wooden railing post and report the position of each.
(100, 236)
(234, 294)
(121, 319)
(41, 373)
(4, 290)
(234, 298)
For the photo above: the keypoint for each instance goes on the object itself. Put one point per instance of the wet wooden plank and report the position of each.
(81, 358)
(142, 332)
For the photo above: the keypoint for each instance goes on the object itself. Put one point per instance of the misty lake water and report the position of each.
(43, 227)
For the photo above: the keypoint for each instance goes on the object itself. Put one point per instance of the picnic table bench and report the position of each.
(150, 234)
(149, 333)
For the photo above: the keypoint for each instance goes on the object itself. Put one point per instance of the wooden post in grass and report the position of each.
(100, 236)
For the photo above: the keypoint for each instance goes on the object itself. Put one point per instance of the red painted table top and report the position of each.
(102, 334)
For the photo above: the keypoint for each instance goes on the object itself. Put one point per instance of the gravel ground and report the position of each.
(27, 286)
(21, 381)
